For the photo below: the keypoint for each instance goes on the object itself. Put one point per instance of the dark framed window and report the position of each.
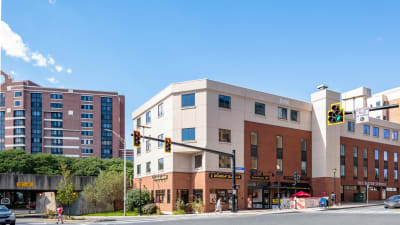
(86, 98)
(386, 133)
(17, 94)
(138, 169)
(188, 134)
(160, 164)
(87, 151)
(259, 108)
(87, 133)
(198, 161)
(160, 109)
(224, 101)
(87, 107)
(56, 96)
(188, 100)
(375, 131)
(56, 105)
(224, 161)
(56, 151)
(254, 150)
(87, 115)
(282, 113)
(148, 117)
(19, 113)
(56, 124)
(56, 115)
(161, 143)
(366, 129)
(224, 135)
(56, 133)
(350, 126)
(294, 115)
(197, 195)
(148, 167)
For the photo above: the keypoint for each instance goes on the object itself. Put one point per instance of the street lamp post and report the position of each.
(140, 196)
(334, 185)
(278, 168)
(124, 167)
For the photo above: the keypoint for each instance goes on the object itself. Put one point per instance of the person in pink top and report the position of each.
(59, 214)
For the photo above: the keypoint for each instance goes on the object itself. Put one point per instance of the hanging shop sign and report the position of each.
(223, 176)
(160, 177)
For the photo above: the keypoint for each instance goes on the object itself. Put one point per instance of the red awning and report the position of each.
(301, 194)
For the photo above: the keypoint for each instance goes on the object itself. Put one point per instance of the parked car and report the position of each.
(393, 202)
(7, 216)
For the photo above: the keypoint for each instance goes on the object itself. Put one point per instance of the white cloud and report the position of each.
(40, 59)
(59, 68)
(12, 43)
(52, 80)
(52, 2)
(50, 60)
(69, 70)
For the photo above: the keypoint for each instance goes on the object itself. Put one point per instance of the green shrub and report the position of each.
(132, 199)
(180, 204)
(150, 209)
(178, 212)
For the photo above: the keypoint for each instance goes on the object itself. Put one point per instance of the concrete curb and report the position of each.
(352, 207)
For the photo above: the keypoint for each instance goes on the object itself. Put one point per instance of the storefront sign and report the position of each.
(24, 184)
(292, 178)
(160, 177)
(259, 177)
(377, 184)
(223, 176)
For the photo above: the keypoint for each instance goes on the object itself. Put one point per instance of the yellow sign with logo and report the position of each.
(24, 184)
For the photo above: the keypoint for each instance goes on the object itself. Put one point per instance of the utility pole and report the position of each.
(233, 181)
(278, 168)
(334, 185)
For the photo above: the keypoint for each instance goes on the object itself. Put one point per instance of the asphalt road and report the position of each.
(358, 216)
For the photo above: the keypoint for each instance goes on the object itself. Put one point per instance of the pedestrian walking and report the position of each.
(60, 211)
(218, 206)
(333, 198)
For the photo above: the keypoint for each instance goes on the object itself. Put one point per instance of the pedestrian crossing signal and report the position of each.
(336, 114)
(167, 145)
(136, 138)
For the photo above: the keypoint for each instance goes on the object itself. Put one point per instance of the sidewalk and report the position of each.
(80, 219)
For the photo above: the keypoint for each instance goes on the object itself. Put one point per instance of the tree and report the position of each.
(91, 195)
(46, 164)
(132, 198)
(66, 192)
(87, 167)
(16, 161)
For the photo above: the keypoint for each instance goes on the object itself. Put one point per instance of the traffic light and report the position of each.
(336, 114)
(136, 138)
(167, 145)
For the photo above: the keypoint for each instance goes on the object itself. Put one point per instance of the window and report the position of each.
(294, 115)
(56, 133)
(17, 103)
(198, 161)
(56, 142)
(161, 164)
(138, 151)
(160, 109)
(365, 153)
(395, 135)
(385, 155)
(148, 146)
(342, 171)
(375, 131)
(148, 117)
(86, 98)
(224, 135)
(19, 131)
(350, 126)
(56, 96)
(19, 122)
(19, 140)
(86, 124)
(396, 175)
(197, 195)
(279, 153)
(56, 151)
(56, 105)
(148, 167)
(342, 150)
(365, 172)
(56, 115)
(355, 149)
(378, 103)
(376, 173)
(282, 113)
(279, 141)
(19, 113)
(376, 154)
(138, 169)
(259, 108)
(395, 157)
(254, 150)
(161, 143)
(355, 172)
(188, 134)
(224, 161)
(160, 195)
(224, 101)
(303, 157)
(87, 107)
(385, 174)
(366, 129)
(87, 133)
(87, 151)
(87, 115)
(386, 133)
(17, 94)
(138, 123)
(86, 141)
(2, 100)
(188, 100)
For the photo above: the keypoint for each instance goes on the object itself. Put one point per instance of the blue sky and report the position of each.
(139, 47)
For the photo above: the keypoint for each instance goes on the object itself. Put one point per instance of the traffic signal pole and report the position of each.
(232, 155)
(379, 108)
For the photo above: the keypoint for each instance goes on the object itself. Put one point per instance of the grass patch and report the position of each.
(179, 212)
(116, 213)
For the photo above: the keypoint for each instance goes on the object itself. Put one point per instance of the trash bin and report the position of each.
(358, 197)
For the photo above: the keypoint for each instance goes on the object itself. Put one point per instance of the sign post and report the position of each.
(362, 115)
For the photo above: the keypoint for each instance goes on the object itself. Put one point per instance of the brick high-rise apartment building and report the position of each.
(273, 136)
(60, 121)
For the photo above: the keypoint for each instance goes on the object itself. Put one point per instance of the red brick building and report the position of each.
(60, 121)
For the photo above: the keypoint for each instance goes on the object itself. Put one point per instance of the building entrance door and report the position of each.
(383, 193)
(266, 199)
